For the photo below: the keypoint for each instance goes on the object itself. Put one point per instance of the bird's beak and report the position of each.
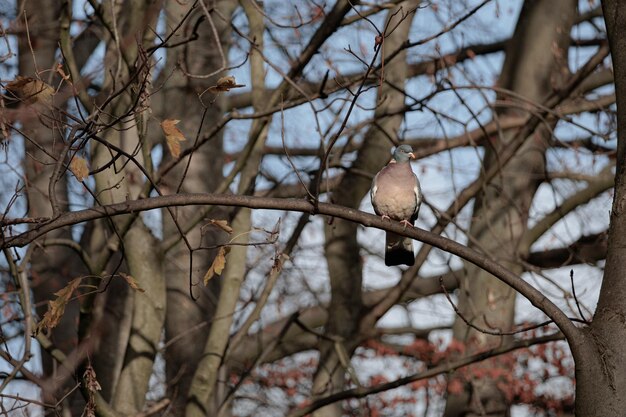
(412, 155)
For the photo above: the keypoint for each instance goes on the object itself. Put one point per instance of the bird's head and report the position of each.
(403, 153)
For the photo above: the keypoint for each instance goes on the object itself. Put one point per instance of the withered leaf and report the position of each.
(31, 90)
(132, 282)
(218, 264)
(56, 307)
(225, 84)
(79, 168)
(59, 70)
(227, 81)
(91, 382)
(222, 224)
(279, 261)
(92, 385)
(173, 135)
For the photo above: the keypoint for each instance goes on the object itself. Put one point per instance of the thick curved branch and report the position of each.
(366, 219)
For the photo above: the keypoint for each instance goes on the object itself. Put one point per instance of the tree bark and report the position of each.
(188, 320)
(342, 251)
(535, 64)
(52, 267)
(202, 398)
(148, 316)
(600, 374)
(135, 341)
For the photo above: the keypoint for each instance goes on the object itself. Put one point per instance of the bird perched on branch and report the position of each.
(396, 194)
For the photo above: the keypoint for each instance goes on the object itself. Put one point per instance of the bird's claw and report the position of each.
(406, 223)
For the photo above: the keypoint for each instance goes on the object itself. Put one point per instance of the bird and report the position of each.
(396, 194)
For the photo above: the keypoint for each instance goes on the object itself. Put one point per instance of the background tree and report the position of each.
(180, 182)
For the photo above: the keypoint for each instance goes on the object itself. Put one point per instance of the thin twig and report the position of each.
(580, 311)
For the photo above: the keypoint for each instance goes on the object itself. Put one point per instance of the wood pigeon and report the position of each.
(396, 194)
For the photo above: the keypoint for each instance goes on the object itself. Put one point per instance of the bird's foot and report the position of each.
(384, 216)
(406, 223)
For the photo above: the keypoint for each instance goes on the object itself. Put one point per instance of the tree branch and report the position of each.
(595, 188)
(587, 249)
(483, 261)
(437, 370)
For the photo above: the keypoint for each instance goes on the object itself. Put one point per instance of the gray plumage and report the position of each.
(396, 194)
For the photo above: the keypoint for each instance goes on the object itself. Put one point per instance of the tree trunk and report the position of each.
(205, 384)
(52, 267)
(600, 372)
(143, 313)
(188, 320)
(536, 61)
(342, 250)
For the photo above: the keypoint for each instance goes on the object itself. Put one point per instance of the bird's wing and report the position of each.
(417, 190)
(373, 191)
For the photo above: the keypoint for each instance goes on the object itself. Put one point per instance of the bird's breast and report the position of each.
(398, 206)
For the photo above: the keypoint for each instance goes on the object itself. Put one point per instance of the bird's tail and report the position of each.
(398, 250)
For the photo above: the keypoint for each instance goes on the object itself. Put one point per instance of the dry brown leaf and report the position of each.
(173, 135)
(132, 282)
(225, 84)
(79, 168)
(31, 90)
(222, 224)
(56, 307)
(218, 264)
(279, 261)
(91, 381)
(92, 385)
(59, 70)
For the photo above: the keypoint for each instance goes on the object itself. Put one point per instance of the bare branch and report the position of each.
(369, 220)
(437, 370)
